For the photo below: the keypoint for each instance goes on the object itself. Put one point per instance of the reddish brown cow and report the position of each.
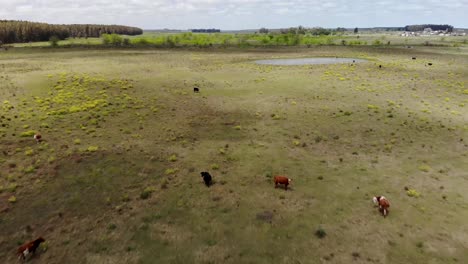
(282, 180)
(28, 248)
(38, 138)
(383, 204)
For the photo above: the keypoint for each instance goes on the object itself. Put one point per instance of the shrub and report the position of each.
(142, 41)
(12, 187)
(146, 193)
(170, 171)
(125, 198)
(276, 117)
(320, 233)
(12, 199)
(214, 166)
(424, 168)
(172, 158)
(29, 169)
(112, 39)
(92, 148)
(54, 41)
(29, 133)
(413, 193)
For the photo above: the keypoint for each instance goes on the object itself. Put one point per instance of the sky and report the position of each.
(239, 14)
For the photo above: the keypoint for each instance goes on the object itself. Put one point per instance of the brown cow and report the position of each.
(29, 247)
(38, 137)
(383, 204)
(282, 180)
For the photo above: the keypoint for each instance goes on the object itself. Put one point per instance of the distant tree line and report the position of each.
(24, 31)
(449, 28)
(316, 31)
(203, 30)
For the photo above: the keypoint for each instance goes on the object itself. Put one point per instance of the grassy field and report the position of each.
(117, 177)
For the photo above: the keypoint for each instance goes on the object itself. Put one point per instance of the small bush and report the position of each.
(318, 139)
(146, 193)
(142, 41)
(29, 169)
(12, 199)
(77, 141)
(413, 193)
(112, 39)
(29, 133)
(320, 233)
(54, 41)
(12, 187)
(125, 198)
(237, 127)
(92, 148)
(377, 42)
(424, 168)
(214, 166)
(170, 171)
(172, 158)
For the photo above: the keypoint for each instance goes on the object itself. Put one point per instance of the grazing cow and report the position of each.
(28, 248)
(38, 138)
(383, 204)
(430, 64)
(196, 89)
(206, 178)
(380, 66)
(413, 58)
(282, 180)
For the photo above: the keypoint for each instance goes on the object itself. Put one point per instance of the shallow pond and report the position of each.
(308, 61)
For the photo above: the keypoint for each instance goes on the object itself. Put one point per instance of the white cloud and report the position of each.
(238, 14)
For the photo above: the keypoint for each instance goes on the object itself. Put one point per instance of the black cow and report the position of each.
(430, 64)
(196, 89)
(206, 178)
(380, 66)
(413, 58)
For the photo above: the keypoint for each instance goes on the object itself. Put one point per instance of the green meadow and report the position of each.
(116, 178)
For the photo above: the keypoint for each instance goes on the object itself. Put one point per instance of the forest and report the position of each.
(24, 31)
(449, 28)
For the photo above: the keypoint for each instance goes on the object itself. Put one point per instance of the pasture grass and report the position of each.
(117, 177)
